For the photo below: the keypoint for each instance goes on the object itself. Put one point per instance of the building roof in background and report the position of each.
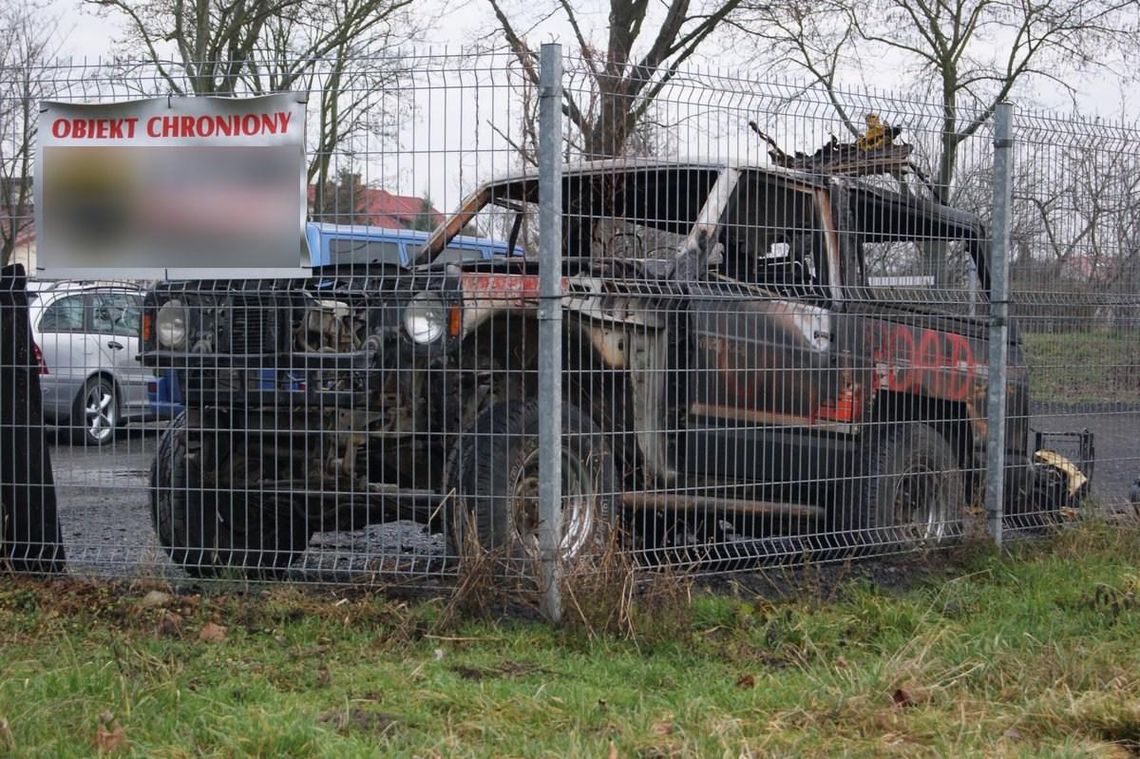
(377, 207)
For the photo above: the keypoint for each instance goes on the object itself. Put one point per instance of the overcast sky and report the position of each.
(434, 156)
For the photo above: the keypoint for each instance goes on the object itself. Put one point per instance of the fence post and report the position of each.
(999, 321)
(550, 329)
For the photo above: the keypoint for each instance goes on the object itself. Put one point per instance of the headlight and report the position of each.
(170, 325)
(425, 318)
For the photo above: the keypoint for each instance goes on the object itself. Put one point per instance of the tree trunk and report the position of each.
(607, 134)
(935, 250)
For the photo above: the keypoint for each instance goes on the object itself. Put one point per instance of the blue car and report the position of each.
(165, 395)
(339, 244)
(336, 244)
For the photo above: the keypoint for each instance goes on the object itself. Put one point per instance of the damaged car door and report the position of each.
(766, 358)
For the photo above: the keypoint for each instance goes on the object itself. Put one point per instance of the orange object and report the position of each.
(848, 407)
(455, 321)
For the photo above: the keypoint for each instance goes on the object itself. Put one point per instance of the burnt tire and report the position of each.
(210, 531)
(493, 475)
(911, 492)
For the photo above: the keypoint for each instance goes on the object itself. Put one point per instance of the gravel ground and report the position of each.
(102, 497)
(104, 512)
(104, 509)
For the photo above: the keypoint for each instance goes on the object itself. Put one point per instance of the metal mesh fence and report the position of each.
(1075, 281)
(775, 320)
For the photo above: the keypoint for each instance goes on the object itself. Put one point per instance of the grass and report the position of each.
(1030, 653)
(1096, 366)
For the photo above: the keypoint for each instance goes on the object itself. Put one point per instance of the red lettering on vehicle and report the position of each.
(901, 343)
(918, 359)
(961, 361)
(927, 362)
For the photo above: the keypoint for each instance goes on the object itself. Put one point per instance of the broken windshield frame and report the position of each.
(688, 199)
(668, 198)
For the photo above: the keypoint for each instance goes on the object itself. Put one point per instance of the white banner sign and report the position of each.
(178, 187)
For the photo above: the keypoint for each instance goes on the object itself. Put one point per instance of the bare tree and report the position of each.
(1086, 216)
(645, 138)
(624, 76)
(969, 55)
(343, 52)
(965, 55)
(341, 200)
(427, 218)
(28, 41)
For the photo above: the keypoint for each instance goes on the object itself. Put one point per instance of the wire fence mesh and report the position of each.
(775, 321)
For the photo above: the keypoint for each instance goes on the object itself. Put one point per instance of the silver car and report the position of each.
(87, 335)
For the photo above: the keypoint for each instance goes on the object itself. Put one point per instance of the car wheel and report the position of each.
(207, 530)
(493, 479)
(95, 414)
(912, 490)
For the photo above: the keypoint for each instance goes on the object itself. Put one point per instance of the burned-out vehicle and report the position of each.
(746, 350)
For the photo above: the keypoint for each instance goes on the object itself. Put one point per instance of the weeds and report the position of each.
(607, 595)
(603, 592)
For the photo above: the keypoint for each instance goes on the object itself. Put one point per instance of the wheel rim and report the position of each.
(99, 413)
(579, 502)
(919, 507)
